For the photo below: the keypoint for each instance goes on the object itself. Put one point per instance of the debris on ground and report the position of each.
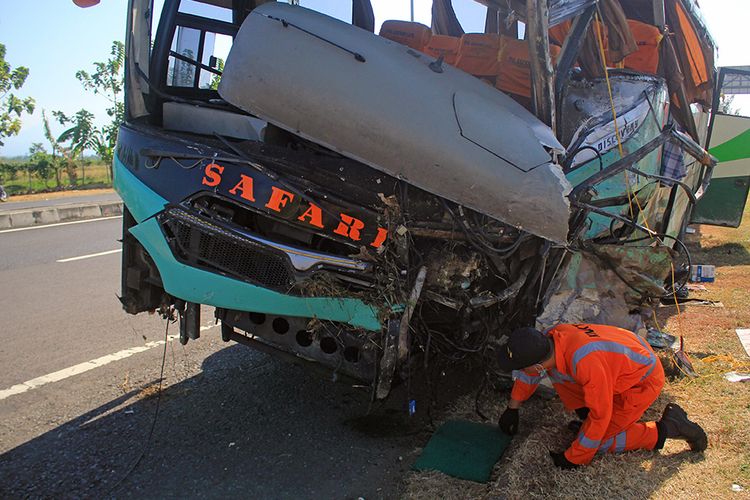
(702, 273)
(696, 287)
(694, 302)
(683, 362)
(660, 340)
(744, 336)
(737, 377)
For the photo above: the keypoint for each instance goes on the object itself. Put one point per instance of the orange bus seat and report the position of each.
(478, 54)
(443, 45)
(559, 32)
(414, 35)
(514, 75)
(647, 37)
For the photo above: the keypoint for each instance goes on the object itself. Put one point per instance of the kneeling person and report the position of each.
(608, 375)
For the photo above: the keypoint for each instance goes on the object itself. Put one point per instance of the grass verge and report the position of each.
(97, 176)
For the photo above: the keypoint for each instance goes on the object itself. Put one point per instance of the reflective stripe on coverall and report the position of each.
(609, 370)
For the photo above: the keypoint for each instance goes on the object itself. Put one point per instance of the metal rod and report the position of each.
(403, 332)
(660, 17)
(596, 210)
(663, 178)
(620, 165)
(571, 47)
(542, 84)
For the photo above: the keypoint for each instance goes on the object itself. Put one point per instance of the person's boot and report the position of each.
(674, 424)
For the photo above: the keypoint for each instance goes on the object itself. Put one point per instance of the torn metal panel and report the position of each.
(595, 165)
(337, 86)
(588, 111)
(605, 283)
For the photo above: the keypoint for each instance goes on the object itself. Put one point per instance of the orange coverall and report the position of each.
(612, 372)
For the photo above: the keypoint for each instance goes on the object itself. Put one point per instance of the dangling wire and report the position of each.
(598, 23)
(147, 446)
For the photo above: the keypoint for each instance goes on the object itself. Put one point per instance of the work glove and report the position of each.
(508, 421)
(559, 460)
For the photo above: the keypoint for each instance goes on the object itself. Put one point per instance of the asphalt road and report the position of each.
(232, 422)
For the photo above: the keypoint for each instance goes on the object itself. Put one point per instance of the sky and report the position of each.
(54, 39)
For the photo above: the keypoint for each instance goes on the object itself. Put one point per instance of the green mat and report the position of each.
(467, 450)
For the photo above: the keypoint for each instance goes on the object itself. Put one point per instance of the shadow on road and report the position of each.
(248, 426)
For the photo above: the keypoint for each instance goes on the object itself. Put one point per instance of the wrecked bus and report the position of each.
(370, 202)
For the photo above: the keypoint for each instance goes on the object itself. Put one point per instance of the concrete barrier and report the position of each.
(64, 213)
(22, 219)
(110, 209)
(45, 216)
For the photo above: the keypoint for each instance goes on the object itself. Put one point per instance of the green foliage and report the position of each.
(62, 157)
(107, 80)
(726, 105)
(40, 162)
(9, 171)
(11, 106)
(81, 133)
(215, 79)
(28, 179)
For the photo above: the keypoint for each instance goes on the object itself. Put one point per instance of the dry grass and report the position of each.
(721, 407)
(52, 195)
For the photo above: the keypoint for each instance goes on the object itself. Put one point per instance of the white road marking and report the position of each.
(59, 375)
(59, 224)
(98, 254)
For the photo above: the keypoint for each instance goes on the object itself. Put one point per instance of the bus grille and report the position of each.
(199, 242)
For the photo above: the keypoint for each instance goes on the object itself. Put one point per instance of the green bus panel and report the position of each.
(724, 201)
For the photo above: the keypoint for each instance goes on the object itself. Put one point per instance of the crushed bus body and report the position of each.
(371, 203)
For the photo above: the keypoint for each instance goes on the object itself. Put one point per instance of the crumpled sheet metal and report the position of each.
(591, 292)
(443, 131)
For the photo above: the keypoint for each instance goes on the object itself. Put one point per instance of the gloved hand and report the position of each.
(508, 421)
(562, 462)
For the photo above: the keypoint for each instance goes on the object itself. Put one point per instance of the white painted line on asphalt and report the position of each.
(98, 254)
(59, 224)
(59, 375)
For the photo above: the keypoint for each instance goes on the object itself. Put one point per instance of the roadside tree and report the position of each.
(11, 106)
(40, 163)
(726, 105)
(81, 135)
(8, 171)
(107, 80)
(61, 158)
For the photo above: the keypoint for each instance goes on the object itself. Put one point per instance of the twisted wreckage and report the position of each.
(371, 202)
